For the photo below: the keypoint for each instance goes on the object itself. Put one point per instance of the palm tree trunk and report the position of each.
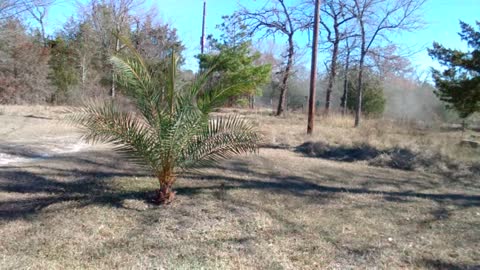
(165, 194)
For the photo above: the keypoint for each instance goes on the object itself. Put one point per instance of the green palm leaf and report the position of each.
(222, 138)
(104, 122)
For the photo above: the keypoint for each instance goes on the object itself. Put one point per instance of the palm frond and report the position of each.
(132, 137)
(132, 74)
(216, 97)
(139, 83)
(223, 137)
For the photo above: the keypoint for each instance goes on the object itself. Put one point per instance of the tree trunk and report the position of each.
(333, 71)
(358, 111)
(165, 195)
(345, 85)
(113, 88)
(283, 88)
(363, 52)
(44, 36)
(114, 77)
(202, 41)
(313, 71)
(84, 71)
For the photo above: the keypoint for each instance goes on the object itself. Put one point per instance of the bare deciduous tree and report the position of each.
(23, 66)
(11, 8)
(350, 45)
(388, 60)
(276, 18)
(110, 19)
(375, 19)
(38, 11)
(334, 24)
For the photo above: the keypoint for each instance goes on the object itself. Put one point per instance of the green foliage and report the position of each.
(63, 75)
(243, 102)
(233, 62)
(236, 66)
(373, 99)
(85, 46)
(298, 87)
(171, 130)
(459, 84)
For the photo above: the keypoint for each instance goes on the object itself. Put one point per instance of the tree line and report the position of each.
(74, 62)
(360, 60)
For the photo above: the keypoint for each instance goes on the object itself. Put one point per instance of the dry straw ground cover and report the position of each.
(281, 209)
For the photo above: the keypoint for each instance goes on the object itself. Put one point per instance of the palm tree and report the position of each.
(170, 130)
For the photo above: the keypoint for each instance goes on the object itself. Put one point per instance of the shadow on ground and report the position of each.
(395, 158)
(441, 265)
(309, 186)
(84, 177)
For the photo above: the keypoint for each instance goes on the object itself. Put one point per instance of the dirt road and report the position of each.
(31, 134)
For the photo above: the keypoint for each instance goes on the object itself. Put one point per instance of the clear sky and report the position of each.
(441, 17)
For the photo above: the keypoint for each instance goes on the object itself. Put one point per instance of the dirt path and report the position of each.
(28, 138)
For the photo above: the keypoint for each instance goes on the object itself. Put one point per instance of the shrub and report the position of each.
(373, 100)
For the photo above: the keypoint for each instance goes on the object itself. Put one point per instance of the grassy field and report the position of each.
(284, 208)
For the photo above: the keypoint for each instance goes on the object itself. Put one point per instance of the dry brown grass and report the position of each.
(275, 210)
(381, 134)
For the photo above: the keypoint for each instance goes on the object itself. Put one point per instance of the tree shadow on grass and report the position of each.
(442, 265)
(360, 152)
(299, 186)
(20, 151)
(83, 178)
(86, 177)
(240, 174)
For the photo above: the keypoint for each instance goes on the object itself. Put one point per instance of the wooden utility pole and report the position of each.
(313, 70)
(202, 41)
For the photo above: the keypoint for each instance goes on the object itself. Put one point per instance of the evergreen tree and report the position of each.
(234, 63)
(373, 100)
(459, 84)
(63, 74)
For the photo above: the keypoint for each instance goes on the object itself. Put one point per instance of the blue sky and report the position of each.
(441, 17)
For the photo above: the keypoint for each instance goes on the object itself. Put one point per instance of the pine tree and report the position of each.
(234, 62)
(63, 74)
(459, 84)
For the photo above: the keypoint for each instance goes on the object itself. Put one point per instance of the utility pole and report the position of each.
(313, 70)
(202, 41)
